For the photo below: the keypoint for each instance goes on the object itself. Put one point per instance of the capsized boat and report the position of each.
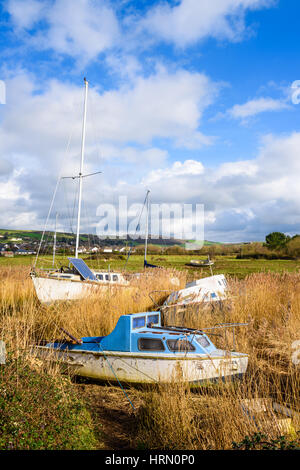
(140, 350)
(209, 289)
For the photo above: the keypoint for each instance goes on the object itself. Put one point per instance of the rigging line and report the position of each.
(111, 367)
(91, 236)
(86, 215)
(48, 215)
(64, 187)
(74, 205)
(51, 204)
(68, 207)
(138, 370)
(138, 225)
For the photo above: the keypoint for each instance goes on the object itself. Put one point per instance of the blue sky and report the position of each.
(189, 98)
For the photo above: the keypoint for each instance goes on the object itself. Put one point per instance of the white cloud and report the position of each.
(121, 127)
(256, 106)
(82, 29)
(124, 65)
(189, 21)
(25, 13)
(243, 200)
(145, 157)
(163, 105)
(241, 168)
(189, 167)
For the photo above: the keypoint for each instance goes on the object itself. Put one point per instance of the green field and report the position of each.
(223, 264)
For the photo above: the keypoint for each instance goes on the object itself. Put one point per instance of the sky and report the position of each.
(191, 99)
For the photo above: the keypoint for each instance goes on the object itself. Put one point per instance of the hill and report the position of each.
(23, 236)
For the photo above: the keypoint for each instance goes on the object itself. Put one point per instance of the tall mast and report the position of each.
(147, 227)
(81, 167)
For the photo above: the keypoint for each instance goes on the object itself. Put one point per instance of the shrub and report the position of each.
(293, 247)
(41, 411)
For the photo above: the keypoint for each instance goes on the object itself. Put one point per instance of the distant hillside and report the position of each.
(27, 236)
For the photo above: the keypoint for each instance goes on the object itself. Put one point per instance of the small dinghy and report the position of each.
(139, 350)
(199, 263)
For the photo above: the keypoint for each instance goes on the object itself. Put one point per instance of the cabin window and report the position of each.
(202, 341)
(153, 319)
(150, 344)
(100, 277)
(139, 322)
(180, 345)
(115, 277)
(107, 277)
(65, 277)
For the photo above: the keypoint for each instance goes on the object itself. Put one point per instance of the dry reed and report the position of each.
(174, 416)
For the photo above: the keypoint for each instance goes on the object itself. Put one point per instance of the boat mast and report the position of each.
(81, 167)
(147, 227)
(54, 242)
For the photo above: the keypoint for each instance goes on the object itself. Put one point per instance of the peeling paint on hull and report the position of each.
(146, 369)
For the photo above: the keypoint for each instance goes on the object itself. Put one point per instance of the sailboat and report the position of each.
(77, 280)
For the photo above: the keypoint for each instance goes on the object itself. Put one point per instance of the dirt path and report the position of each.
(114, 419)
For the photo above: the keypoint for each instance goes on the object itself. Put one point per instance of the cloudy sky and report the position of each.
(191, 99)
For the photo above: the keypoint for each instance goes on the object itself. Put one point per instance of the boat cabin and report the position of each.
(143, 333)
(79, 271)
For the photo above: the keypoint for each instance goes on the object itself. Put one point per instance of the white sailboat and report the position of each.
(78, 280)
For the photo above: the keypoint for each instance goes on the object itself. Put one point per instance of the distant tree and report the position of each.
(293, 247)
(276, 240)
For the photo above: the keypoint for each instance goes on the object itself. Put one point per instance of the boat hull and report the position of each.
(141, 368)
(52, 290)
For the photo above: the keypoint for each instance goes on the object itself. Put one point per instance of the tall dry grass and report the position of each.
(212, 418)
(174, 416)
(39, 408)
(24, 320)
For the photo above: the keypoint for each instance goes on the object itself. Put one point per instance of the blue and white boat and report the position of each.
(140, 350)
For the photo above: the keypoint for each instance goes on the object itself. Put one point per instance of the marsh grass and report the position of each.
(171, 416)
(214, 417)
